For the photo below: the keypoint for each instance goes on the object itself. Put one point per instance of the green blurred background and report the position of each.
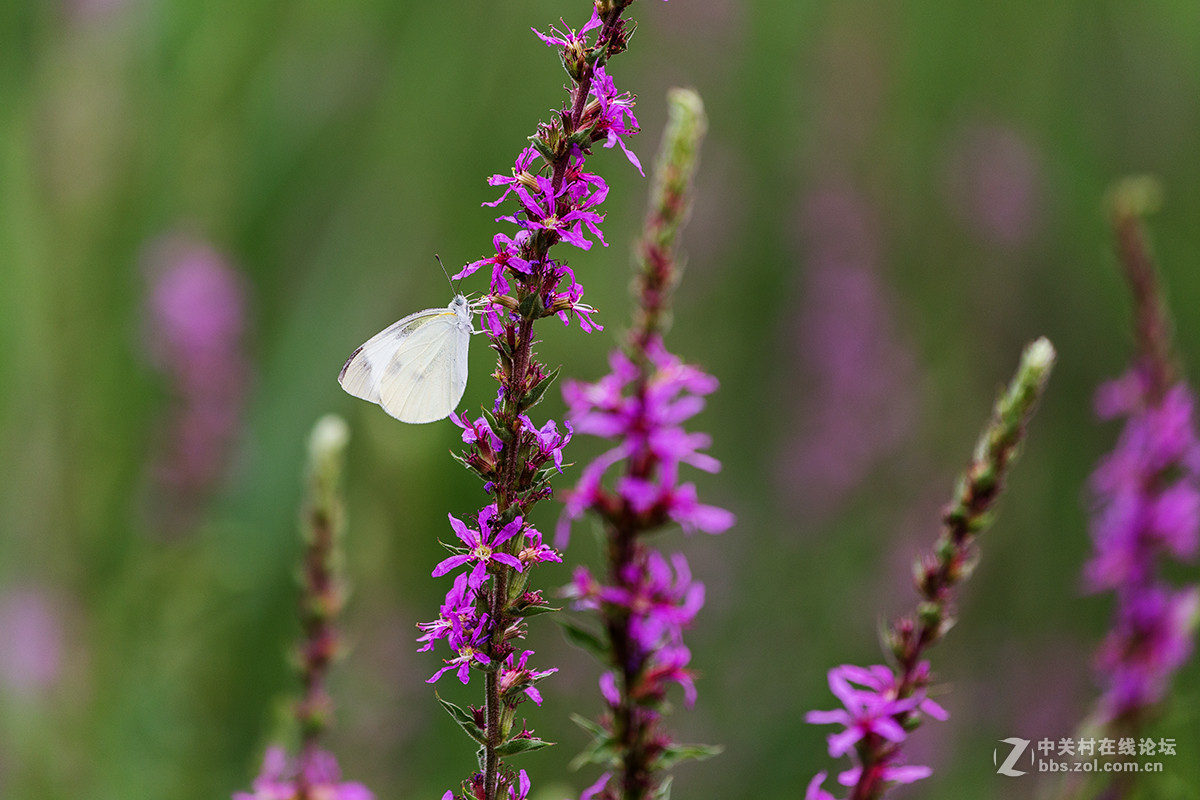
(893, 199)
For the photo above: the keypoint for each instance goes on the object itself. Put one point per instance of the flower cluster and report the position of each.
(873, 712)
(556, 196)
(1147, 507)
(467, 630)
(540, 451)
(658, 600)
(319, 777)
(646, 601)
(643, 414)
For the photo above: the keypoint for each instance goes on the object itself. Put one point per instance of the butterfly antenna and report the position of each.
(453, 288)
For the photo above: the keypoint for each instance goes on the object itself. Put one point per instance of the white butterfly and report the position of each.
(415, 369)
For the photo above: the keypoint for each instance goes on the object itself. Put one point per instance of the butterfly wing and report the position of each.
(427, 375)
(363, 371)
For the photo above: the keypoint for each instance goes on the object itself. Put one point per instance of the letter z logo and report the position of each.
(1018, 748)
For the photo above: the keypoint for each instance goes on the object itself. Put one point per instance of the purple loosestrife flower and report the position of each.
(872, 707)
(482, 547)
(468, 644)
(1146, 506)
(556, 201)
(882, 705)
(282, 779)
(516, 677)
(197, 325)
(457, 613)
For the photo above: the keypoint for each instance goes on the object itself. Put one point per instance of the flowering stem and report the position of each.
(953, 556)
(518, 380)
(322, 595)
(670, 201)
(658, 274)
(1130, 201)
(1145, 510)
(484, 613)
(646, 601)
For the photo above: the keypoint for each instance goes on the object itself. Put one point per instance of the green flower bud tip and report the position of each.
(327, 446)
(1135, 196)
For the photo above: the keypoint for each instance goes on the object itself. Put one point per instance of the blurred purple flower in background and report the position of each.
(858, 372)
(195, 338)
(280, 780)
(992, 183)
(31, 628)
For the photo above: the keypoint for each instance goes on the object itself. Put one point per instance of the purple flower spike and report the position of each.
(644, 601)
(551, 197)
(198, 318)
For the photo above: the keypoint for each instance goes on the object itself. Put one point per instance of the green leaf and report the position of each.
(534, 395)
(600, 750)
(531, 306)
(582, 637)
(533, 611)
(463, 717)
(501, 431)
(589, 725)
(663, 791)
(676, 753)
(455, 549)
(602, 753)
(514, 746)
(543, 150)
(546, 474)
